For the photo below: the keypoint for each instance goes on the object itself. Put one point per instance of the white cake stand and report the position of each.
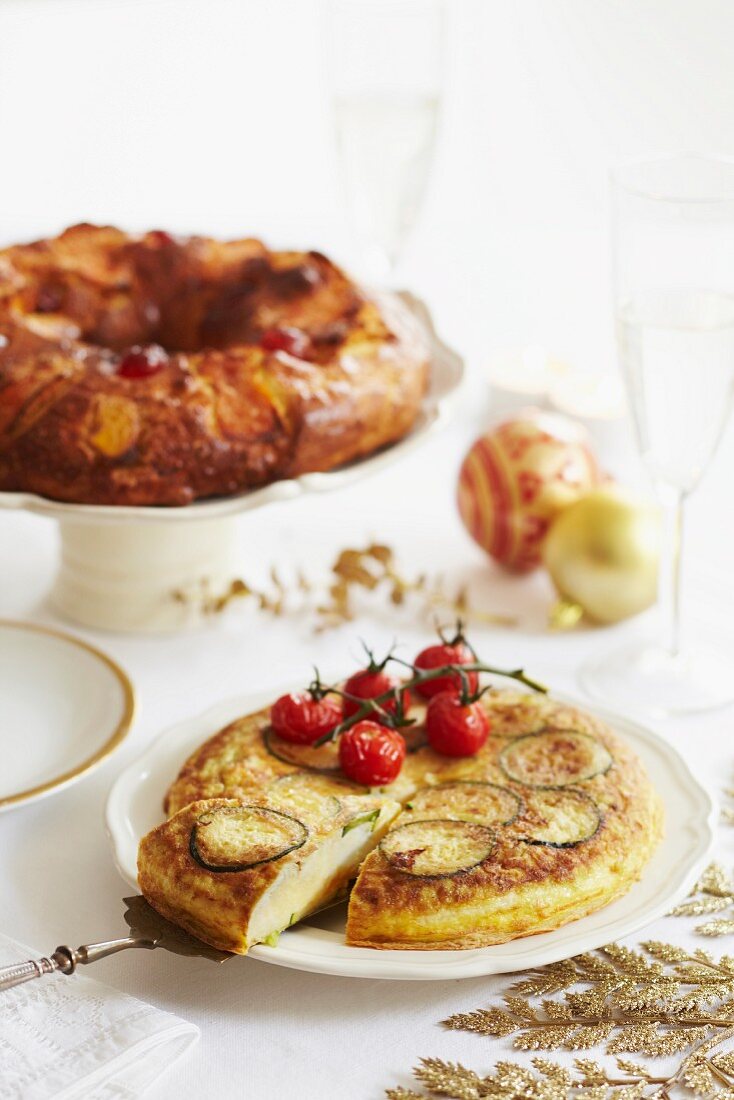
(121, 566)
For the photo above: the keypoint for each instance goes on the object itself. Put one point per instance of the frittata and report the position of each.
(552, 819)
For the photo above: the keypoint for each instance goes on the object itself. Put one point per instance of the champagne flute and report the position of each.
(673, 253)
(385, 67)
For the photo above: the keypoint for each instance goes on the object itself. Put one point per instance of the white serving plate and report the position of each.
(122, 565)
(317, 944)
(64, 707)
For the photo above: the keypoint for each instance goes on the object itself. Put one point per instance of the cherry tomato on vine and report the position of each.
(370, 754)
(303, 717)
(368, 684)
(455, 727)
(445, 653)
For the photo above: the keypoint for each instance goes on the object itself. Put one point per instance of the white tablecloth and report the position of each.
(268, 1032)
(81, 1040)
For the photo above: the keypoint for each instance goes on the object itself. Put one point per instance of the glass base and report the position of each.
(647, 678)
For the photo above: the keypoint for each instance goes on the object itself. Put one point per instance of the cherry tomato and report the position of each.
(303, 719)
(455, 728)
(445, 653)
(368, 684)
(370, 754)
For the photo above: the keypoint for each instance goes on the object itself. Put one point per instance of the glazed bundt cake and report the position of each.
(155, 370)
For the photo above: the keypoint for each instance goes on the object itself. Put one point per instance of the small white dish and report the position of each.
(64, 707)
(317, 944)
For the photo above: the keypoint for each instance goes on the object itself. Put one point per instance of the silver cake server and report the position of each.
(148, 929)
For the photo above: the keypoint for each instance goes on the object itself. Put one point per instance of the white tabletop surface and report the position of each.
(512, 249)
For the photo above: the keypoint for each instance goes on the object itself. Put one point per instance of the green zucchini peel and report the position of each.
(362, 819)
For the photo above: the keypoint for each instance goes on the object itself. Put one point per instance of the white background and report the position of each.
(212, 116)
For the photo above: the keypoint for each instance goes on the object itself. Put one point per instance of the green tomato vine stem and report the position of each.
(376, 705)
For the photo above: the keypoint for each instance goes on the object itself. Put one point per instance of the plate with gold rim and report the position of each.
(317, 943)
(65, 706)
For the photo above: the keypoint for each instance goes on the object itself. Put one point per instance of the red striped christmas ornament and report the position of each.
(517, 478)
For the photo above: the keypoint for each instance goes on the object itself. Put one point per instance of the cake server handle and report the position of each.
(66, 959)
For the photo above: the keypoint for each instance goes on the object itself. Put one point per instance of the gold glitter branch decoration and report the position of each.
(713, 893)
(656, 1003)
(702, 1073)
(372, 569)
(661, 1000)
(727, 811)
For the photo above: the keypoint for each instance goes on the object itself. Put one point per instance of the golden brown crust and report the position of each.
(534, 922)
(523, 888)
(237, 763)
(218, 907)
(222, 414)
(213, 907)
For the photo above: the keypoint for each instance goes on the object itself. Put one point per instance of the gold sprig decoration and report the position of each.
(658, 1001)
(373, 569)
(727, 810)
(703, 1072)
(712, 894)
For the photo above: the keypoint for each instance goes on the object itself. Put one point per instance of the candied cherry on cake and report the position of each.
(370, 754)
(455, 651)
(456, 724)
(161, 238)
(305, 717)
(369, 683)
(141, 362)
(292, 340)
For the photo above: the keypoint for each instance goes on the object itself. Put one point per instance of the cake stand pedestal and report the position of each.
(142, 576)
(157, 569)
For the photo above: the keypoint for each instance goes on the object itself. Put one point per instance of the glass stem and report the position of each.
(675, 543)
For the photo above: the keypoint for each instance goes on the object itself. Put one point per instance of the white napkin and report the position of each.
(71, 1037)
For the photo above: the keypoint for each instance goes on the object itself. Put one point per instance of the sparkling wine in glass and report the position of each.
(677, 352)
(673, 241)
(385, 68)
